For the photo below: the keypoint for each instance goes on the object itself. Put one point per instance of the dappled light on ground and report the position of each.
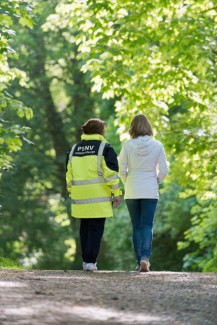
(88, 313)
(104, 314)
(107, 297)
(11, 284)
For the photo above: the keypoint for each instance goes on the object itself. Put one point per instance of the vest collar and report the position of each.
(93, 137)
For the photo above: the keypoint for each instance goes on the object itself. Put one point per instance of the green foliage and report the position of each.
(118, 237)
(34, 221)
(203, 232)
(171, 220)
(11, 136)
(6, 263)
(150, 55)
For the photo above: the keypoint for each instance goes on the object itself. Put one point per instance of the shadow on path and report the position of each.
(107, 297)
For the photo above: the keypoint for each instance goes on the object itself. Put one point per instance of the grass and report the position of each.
(6, 263)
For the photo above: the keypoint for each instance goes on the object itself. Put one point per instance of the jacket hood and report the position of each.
(143, 145)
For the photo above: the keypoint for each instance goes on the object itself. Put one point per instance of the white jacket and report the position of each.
(138, 162)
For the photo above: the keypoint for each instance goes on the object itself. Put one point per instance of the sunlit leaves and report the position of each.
(11, 11)
(154, 47)
(26, 22)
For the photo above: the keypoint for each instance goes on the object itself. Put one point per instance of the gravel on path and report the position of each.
(107, 297)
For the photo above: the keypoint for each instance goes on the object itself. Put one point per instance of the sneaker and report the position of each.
(137, 267)
(84, 265)
(144, 266)
(89, 266)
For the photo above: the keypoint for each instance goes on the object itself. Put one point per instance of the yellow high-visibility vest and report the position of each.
(92, 177)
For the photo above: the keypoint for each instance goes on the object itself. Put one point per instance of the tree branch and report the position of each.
(204, 11)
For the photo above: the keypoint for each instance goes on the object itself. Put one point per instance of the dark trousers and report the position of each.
(91, 231)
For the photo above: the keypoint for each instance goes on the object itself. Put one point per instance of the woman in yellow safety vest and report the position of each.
(92, 181)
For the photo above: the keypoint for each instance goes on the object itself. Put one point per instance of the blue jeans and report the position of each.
(142, 217)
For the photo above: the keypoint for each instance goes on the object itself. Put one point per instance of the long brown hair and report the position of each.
(94, 126)
(140, 126)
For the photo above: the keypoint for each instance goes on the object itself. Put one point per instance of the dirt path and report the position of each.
(107, 297)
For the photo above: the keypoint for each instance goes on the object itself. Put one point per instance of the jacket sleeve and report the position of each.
(110, 170)
(68, 173)
(162, 165)
(123, 162)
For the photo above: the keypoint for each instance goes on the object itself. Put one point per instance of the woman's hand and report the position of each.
(117, 201)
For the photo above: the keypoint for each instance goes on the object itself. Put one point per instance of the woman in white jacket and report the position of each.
(143, 166)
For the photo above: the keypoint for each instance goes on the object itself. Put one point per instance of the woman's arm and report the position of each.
(163, 166)
(68, 174)
(110, 171)
(123, 164)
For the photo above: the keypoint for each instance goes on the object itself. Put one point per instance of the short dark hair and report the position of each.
(94, 126)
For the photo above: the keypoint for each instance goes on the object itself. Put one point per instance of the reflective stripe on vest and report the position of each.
(115, 187)
(97, 181)
(71, 153)
(111, 178)
(89, 181)
(93, 200)
(99, 159)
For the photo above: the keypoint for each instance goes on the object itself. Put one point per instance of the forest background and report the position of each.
(64, 62)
